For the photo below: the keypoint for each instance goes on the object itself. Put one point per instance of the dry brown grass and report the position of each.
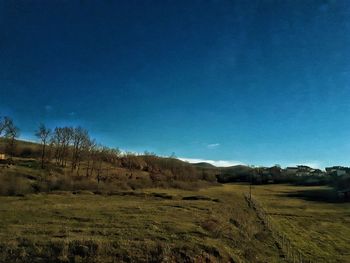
(152, 225)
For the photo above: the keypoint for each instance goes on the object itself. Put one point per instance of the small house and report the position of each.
(317, 172)
(304, 170)
(337, 170)
(291, 170)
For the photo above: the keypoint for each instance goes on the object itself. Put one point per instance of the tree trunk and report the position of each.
(43, 155)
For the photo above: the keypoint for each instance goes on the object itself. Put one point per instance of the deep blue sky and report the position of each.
(258, 82)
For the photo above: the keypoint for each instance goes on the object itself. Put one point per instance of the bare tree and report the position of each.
(80, 139)
(11, 133)
(2, 125)
(56, 140)
(100, 155)
(43, 134)
(66, 142)
(62, 139)
(89, 150)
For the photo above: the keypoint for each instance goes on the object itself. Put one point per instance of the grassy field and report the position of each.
(155, 225)
(168, 225)
(312, 218)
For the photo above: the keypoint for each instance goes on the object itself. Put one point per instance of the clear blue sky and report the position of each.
(257, 82)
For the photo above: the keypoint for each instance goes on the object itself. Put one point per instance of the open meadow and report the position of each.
(311, 217)
(54, 216)
(153, 225)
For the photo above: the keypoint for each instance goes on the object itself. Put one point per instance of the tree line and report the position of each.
(71, 146)
(73, 149)
(65, 146)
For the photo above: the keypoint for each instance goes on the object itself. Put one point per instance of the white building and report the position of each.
(291, 170)
(337, 170)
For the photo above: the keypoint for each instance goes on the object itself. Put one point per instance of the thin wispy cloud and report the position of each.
(219, 163)
(213, 145)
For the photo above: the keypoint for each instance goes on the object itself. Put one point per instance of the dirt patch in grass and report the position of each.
(137, 194)
(200, 197)
(162, 195)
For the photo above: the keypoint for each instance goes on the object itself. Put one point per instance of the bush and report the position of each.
(26, 152)
(140, 183)
(60, 183)
(14, 185)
